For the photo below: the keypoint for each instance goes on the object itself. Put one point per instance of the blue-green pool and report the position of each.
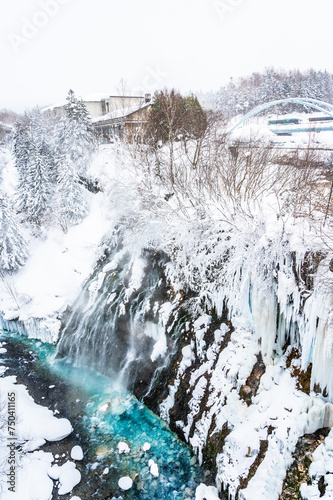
(110, 415)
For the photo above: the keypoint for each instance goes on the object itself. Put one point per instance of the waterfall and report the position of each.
(118, 323)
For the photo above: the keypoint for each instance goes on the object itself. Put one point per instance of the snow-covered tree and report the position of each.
(13, 247)
(75, 135)
(271, 88)
(75, 143)
(72, 203)
(35, 167)
(39, 188)
(22, 146)
(42, 138)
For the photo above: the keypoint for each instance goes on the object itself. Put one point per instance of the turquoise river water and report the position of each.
(103, 415)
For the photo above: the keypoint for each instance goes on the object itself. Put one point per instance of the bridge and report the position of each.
(321, 106)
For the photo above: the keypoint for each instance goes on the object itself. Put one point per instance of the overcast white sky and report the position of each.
(49, 46)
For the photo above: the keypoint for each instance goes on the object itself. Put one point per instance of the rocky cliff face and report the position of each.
(251, 385)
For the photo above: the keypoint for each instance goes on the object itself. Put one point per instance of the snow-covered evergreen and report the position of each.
(13, 247)
(34, 162)
(38, 205)
(22, 147)
(43, 139)
(49, 162)
(75, 138)
(72, 202)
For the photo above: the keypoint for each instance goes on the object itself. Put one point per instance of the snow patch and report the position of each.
(125, 483)
(123, 447)
(76, 453)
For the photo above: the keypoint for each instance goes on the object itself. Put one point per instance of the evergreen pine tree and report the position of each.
(271, 87)
(195, 119)
(22, 147)
(75, 136)
(33, 161)
(173, 115)
(72, 204)
(42, 139)
(40, 191)
(13, 248)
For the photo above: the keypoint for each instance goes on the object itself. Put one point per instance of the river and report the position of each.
(103, 414)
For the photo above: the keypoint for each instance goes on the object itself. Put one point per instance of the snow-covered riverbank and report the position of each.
(26, 471)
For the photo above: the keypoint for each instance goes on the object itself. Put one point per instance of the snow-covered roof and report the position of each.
(6, 126)
(54, 106)
(93, 97)
(98, 96)
(120, 113)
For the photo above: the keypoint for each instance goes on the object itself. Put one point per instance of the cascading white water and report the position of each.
(118, 324)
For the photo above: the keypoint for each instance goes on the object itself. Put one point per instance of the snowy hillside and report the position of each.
(57, 266)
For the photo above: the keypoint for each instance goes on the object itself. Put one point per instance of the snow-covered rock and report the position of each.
(68, 479)
(125, 483)
(123, 447)
(204, 492)
(76, 453)
(153, 468)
